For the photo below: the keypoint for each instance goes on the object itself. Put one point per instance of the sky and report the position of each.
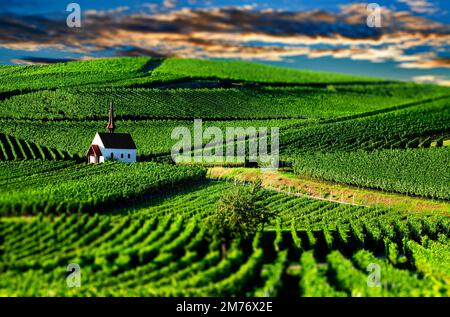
(411, 43)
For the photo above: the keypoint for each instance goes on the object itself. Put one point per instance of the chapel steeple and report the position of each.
(111, 125)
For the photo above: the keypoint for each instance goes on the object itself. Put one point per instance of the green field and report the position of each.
(140, 229)
(422, 172)
(179, 103)
(154, 251)
(151, 136)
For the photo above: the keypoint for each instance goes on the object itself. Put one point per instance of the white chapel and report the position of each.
(110, 145)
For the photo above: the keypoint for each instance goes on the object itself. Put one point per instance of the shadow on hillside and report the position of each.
(152, 64)
(152, 200)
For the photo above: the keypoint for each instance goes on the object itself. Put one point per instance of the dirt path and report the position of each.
(286, 182)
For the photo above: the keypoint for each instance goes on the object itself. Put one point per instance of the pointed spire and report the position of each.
(111, 125)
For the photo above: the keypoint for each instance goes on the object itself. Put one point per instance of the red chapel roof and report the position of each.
(94, 150)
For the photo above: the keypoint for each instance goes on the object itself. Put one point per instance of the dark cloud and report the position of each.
(236, 33)
(137, 51)
(41, 60)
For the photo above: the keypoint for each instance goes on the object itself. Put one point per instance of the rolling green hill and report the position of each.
(142, 70)
(140, 229)
(156, 252)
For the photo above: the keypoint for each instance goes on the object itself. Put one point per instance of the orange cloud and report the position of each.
(242, 32)
(431, 79)
(432, 63)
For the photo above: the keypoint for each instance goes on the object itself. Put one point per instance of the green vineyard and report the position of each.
(152, 137)
(323, 249)
(147, 228)
(85, 189)
(12, 148)
(399, 129)
(143, 71)
(422, 172)
(180, 103)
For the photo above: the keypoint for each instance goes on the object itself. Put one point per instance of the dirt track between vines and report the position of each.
(291, 184)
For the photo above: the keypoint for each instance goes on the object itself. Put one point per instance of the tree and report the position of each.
(240, 213)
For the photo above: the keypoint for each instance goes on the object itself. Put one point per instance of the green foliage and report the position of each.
(87, 187)
(431, 259)
(348, 278)
(397, 282)
(313, 281)
(391, 130)
(71, 74)
(218, 103)
(421, 172)
(403, 90)
(12, 148)
(169, 245)
(237, 70)
(154, 251)
(150, 136)
(272, 275)
(141, 71)
(240, 213)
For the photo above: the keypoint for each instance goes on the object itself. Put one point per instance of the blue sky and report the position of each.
(331, 35)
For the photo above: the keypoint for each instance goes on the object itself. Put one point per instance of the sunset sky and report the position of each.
(332, 35)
